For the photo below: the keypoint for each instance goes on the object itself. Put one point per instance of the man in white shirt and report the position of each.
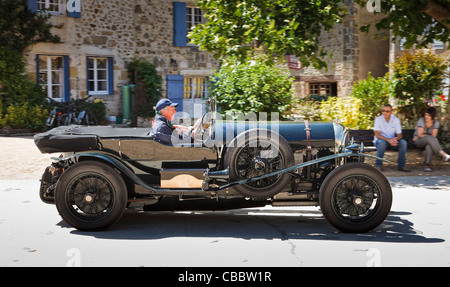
(388, 134)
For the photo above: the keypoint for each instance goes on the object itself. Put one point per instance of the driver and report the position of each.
(163, 129)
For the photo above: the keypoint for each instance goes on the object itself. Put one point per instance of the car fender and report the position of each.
(108, 159)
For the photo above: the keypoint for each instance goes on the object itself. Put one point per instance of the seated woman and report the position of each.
(425, 137)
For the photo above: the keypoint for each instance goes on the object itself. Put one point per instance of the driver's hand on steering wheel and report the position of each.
(195, 126)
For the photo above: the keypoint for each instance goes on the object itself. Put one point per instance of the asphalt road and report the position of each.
(416, 233)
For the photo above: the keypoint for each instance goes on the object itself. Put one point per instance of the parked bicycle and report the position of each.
(55, 115)
(65, 114)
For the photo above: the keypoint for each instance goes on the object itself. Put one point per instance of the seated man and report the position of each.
(163, 129)
(388, 134)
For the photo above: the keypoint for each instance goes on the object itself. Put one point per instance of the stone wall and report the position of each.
(354, 54)
(143, 29)
(124, 30)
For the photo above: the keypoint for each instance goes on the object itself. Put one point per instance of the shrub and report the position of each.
(16, 87)
(24, 117)
(252, 86)
(306, 109)
(347, 110)
(145, 74)
(415, 80)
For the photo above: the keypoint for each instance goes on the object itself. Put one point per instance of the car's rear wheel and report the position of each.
(355, 197)
(255, 153)
(91, 195)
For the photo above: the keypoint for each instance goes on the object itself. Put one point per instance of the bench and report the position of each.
(366, 137)
(414, 156)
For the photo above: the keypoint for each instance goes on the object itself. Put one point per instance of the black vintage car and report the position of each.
(102, 171)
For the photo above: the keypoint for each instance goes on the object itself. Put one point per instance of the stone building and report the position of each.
(354, 55)
(100, 37)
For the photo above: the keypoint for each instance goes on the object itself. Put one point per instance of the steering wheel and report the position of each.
(202, 129)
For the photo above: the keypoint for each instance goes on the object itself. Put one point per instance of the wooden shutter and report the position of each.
(179, 24)
(175, 88)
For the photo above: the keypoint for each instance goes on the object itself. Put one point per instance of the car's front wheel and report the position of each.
(355, 197)
(91, 195)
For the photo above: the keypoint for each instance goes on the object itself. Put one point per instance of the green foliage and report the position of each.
(20, 27)
(373, 93)
(306, 109)
(415, 80)
(16, 87)
(347, 110)
(97, 107)
(408, 20)
(252, 87)
(22, 101)
(145, 74)
(24, 116)
(240, 27)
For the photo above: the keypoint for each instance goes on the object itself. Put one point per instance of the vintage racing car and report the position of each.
(103, 170)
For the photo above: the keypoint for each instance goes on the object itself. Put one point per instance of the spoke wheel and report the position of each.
(355, 197)
(91, 195)
(253, 162)
(255, 153)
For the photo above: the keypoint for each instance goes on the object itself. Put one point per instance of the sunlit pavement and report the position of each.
(416, 233)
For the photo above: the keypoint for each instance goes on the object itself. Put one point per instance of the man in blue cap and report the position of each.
(162, 128)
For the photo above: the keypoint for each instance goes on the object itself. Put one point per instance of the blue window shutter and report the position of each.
(38, 76)
(179, 24)
(175, 89)
(74, 8)
(66, 78)
(32, 5)
(111, 76)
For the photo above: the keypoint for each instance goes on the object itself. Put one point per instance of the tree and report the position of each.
(419, 23)
(253, 86)
(240, 28)
(20, 27)
(416, 77)
(22, 100)
(373, 93)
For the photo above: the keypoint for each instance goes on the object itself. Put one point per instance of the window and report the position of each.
(100, 75)
(194, 16)
(320, 89)
(51, 6)
(195, 88)
(184, 20)
(323, 89)
(53, 76)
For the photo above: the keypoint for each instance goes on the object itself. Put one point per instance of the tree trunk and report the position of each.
(446, 127)
(439, 12)
(442, 14)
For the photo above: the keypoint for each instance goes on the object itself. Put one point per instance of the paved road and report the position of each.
(416, 233)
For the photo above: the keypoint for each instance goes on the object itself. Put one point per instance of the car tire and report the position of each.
(252, 154)
(91, 196)
(355, 198)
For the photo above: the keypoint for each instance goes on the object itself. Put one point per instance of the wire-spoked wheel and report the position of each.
(355, 197)
(91, 195)
(255, 153)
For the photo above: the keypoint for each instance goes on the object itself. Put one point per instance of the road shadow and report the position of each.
(427, 182)
(252, 224)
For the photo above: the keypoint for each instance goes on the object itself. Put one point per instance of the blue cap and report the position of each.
(164, 103)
